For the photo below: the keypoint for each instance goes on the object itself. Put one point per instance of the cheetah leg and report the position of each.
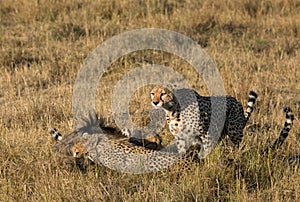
(181, 143)
(153, 143)
(236, 137)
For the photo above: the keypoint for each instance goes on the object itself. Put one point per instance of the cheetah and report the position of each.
(110, 148)
(191, 121)
(119, 153)
(116, 153)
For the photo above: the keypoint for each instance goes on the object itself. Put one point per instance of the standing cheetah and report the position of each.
(190, 120)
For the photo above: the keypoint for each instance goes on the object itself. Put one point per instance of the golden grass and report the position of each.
(255, 45)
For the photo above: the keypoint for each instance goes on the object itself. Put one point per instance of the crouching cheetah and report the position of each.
(190, 120)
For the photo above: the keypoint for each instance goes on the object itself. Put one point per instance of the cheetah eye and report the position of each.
(152, 93)
(163, 93)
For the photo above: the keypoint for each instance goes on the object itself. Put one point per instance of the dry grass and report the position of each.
(255, 44)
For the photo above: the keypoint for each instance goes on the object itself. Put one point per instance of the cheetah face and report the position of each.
(161, 98)
(76, 153)
(78, 150)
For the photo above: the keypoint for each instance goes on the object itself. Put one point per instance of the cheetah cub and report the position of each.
(190, 120)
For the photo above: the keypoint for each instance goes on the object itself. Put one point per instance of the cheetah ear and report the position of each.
(167, 89)
(171, 95)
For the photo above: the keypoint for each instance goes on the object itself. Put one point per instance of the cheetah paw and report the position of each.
(126, 132)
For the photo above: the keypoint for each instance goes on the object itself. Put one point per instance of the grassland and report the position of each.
(255, 44)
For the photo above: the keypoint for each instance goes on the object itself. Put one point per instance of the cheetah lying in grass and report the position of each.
(115, 149)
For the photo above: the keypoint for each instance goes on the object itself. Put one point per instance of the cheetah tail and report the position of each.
(251, 101)
(284, 132)
(286, 128)
(55, 134)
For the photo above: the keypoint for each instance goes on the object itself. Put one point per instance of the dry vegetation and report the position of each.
(255, 44)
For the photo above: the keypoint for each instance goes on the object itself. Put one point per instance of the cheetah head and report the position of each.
(162, 98)
(78, 150)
